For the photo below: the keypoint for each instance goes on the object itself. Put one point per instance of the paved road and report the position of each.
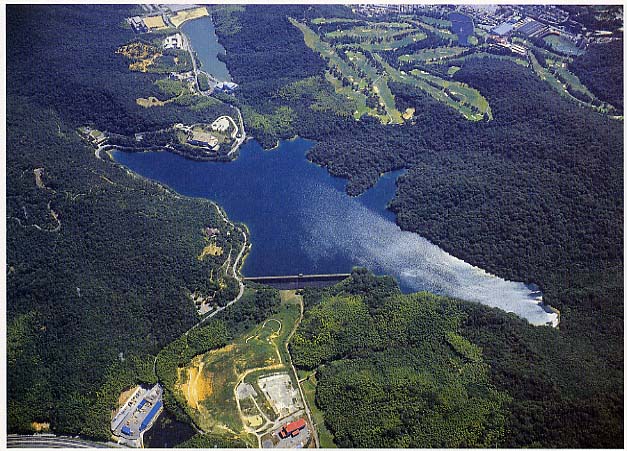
(52, 441)
(234, 272)
(314, 431)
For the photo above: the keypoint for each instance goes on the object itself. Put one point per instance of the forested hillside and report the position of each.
(399, 376)
(426, 371)
(601, 69)
(536, 194)
(100, 263)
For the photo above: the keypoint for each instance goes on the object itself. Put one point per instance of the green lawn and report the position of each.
(440, 23)
(394, 44)
(432, 54)
(355, 96)
(453, 70)
(436, 87)
(379, 86)
(377, 30)
(325, 436)
(513, 59)
(443, 33)
(324, 20)
(556, 84)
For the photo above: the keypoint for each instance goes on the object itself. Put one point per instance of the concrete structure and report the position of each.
(504, 29)
(299, 281)
(137, 24)
(174, 41)
(533, 28)
(137, 415)
(226, 86)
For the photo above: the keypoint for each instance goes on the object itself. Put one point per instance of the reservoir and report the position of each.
(204, 41)
(301, 221)
(462, 26)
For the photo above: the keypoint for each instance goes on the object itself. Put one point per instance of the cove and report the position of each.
(301, 221)
(462, 26)
(202, 36)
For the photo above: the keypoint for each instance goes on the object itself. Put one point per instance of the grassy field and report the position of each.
(313, 41)
(385, 31)
(453, 70)
(379, 83)
(358, 98)
(188, 14)
(513, 59)
(379, 87)
(325, 436)
(563, 45)
(394, 44)
(560, 87)
(457, 95)
(155, 22)
(460, 95)
(208, 382)
(440, 23)
(428, 55)
(569, 77)
(445, 34)
(324, 20)
(353, 73)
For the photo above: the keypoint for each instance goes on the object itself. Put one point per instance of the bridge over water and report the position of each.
(296, 282)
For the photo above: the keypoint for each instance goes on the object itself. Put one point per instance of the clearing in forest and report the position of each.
(149, 102)
(155, 22)
(188, 14)
(208, 383)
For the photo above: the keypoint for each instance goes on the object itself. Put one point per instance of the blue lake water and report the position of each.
(462, 26)
(301, 221)
(202, 36)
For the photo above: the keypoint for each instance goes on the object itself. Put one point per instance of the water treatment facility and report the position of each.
(137, 415)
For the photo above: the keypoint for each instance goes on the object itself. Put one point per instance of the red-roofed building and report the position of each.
(292, 429)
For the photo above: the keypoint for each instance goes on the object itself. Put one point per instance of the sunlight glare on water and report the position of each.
(301, 221)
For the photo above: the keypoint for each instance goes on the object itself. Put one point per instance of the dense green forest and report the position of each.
(601, 70)
(100, 264)
(536, 194)
(422, 370)
(395, 371)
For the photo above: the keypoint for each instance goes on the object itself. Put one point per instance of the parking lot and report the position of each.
(282, 395)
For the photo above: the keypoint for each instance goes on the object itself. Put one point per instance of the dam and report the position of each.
(296, 282)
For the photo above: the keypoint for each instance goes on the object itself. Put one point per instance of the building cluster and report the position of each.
(292, 429)
(174, 41)
(137, 24)
(501, 42)
(187, 77)
(227, 87)
(92, 136)
(137, 415)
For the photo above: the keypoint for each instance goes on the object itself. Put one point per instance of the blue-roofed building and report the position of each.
(141, 404)
(503, 29)
(155, 409)
(127, 431)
